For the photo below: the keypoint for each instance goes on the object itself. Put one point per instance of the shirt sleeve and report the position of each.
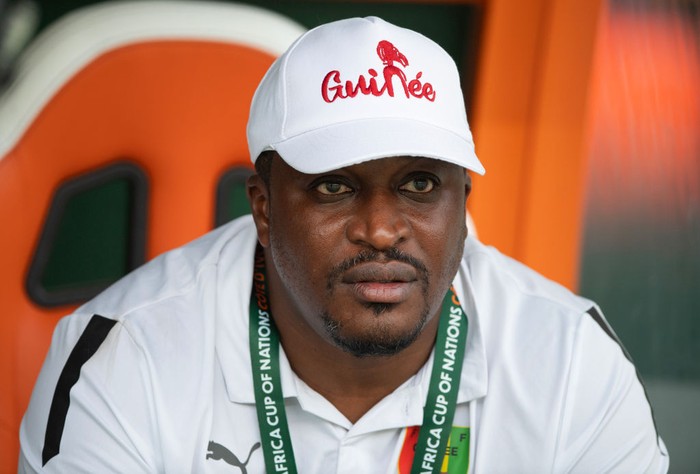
(607, 423)
(91, 410)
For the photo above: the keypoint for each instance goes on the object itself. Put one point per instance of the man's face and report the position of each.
(363, 255)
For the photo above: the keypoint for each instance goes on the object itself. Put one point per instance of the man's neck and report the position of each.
(352, 384)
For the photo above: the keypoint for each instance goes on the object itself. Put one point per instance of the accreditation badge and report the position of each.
(456, 460)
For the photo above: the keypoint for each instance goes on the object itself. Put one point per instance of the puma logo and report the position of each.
(217, 452)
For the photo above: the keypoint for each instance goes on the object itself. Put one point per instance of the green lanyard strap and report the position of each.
(439, 410)
(440, 405)
(264, 355)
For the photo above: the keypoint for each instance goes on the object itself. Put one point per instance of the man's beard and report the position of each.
(380, 341)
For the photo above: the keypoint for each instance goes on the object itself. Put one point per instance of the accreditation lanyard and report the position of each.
(440, 404)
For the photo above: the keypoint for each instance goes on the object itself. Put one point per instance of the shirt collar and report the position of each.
(474, 382)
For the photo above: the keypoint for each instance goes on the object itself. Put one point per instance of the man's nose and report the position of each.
(378, 221)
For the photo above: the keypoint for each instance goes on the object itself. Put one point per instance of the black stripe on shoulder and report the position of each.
(598, 318)
(92, 338)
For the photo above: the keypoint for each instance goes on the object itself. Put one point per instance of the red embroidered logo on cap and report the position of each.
(333, 87)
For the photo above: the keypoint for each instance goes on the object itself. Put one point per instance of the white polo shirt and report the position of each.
(154, 375)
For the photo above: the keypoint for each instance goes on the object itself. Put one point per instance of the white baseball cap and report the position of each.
(360, 89)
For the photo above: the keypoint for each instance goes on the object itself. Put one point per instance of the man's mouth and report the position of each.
(387, 283)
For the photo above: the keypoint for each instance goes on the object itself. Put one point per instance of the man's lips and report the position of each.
(375, 282)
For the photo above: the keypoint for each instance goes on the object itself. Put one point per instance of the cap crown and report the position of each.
(354, 80)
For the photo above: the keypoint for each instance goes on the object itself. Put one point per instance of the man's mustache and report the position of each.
(383, 256)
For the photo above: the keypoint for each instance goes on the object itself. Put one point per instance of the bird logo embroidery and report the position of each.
(388, 53)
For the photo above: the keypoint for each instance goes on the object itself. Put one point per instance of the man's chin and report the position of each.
(362, 348)
(379, 341)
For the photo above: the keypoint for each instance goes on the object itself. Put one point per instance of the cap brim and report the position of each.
(349, 143)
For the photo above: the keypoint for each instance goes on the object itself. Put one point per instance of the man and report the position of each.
(350, 325)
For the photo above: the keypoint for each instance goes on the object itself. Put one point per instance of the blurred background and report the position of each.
(586, 115)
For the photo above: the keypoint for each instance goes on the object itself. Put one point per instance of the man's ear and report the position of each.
(259, 197)
(467, 185)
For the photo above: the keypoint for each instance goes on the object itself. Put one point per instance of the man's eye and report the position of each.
(419, 185)
(332, 188)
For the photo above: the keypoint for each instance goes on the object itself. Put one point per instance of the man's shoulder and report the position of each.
(515, 309)
(165, 313)
(495, 276)
(551, 358)
(147, 341)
